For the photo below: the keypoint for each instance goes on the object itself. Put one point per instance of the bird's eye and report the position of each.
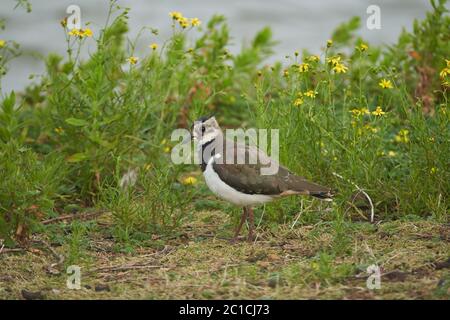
(203, 129)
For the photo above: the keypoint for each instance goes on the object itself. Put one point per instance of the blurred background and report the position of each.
(296, 25)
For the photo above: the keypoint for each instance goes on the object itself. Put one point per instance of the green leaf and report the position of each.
(95, 137)
(111, 119)
(8, 103)
(76, 122)
(77, 157)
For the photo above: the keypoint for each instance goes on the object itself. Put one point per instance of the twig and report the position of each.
(52, 267)
(225, 267)
(299, 214)
(81, 216)
(260, 220)
(262, 215)
(124, 268)
(8, 250)
(372, 210)
(358, 210)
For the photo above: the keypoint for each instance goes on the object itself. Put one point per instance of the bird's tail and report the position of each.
(323, 195)
(304, 186)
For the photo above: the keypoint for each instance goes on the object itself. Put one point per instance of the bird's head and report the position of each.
(205, 129)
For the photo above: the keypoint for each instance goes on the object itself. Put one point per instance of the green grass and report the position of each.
(67, 141)
(284, 263)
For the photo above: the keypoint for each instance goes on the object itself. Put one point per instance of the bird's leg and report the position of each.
(251, 224)
(238, 229)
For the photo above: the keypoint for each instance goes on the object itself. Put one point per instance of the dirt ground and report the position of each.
(285, 262)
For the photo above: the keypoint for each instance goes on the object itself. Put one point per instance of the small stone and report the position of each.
(56, 291)
(273, 257)
(256, 257)
(102, 287)
(32, 295)
(274, 281)
(396, 276)
(443, 264)
(155, 237)
(263, 264)
(442, 283)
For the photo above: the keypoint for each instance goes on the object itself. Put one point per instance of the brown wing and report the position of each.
(247, 178)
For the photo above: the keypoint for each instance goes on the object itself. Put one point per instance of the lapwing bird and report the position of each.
(243, 184)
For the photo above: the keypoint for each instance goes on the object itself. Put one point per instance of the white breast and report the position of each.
(224, 191)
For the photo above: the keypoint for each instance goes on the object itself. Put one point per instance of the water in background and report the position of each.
(296, 25)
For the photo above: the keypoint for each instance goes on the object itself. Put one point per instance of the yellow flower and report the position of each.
(86, 32)
(329, 43)
(313, 58)
(433, 170)
(184, 22)
(340, 68)
(304, 67)
(59, 130)
(385, 84)
(2, 43)
(298, 102)
(402, 136)
(355, 112)
(286, 73)
(444, 73)
(363, 47)
(80, 33)
(75, 33)
(368, 127)
(165, 144)
(334, 60)
(189, 180)
(359, 112)
(176, 15)
(133, 60)
(378, 111)
(195, 22)
(311, 93)
(153, 46)
(392, 154)
(365, 111)
(63, 22)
